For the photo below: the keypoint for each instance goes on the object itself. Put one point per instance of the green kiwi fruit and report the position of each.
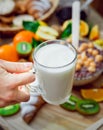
(71, 103)
(87, 107)
(24, 49)
(9, 110)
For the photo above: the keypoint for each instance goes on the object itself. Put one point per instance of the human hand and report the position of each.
(13, 76)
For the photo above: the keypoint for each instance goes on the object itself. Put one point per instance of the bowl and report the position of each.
(87, 80)
(55, 4)
(88, 67)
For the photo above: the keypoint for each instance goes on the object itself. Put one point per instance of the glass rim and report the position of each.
(40, 45)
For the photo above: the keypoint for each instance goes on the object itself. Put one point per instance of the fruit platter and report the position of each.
(86, 102)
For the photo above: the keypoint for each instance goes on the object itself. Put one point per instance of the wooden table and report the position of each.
(54, 117)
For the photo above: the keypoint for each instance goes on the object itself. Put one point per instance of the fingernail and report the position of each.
(28, 65)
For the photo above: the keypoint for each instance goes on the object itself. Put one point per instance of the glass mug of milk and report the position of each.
(54, 64)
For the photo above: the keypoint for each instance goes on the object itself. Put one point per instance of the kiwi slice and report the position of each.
(71, 103)
(24, 48)
(87, 107)
(9, 110)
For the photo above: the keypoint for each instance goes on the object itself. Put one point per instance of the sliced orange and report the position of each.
(95, 94)
(94, 34)
(84, 28)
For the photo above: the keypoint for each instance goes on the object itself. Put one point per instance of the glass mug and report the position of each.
(54, 65)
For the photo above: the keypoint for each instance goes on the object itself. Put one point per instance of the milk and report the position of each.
(55, 72)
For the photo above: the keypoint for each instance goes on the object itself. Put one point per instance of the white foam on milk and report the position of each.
(54, 55)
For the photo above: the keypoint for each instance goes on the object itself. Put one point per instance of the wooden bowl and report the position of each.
(9, 32)
(55, 4)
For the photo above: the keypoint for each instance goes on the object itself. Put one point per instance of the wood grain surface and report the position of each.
(52, 117)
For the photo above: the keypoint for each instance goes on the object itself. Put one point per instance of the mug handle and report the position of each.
(34, 88)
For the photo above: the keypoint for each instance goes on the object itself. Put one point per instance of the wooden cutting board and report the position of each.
(52, 117)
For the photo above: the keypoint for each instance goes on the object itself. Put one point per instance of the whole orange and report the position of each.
(8, 52)
(24, 36)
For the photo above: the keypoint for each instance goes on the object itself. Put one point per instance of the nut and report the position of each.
(83, 56)
(78, 67)
(98, 58)
(78, 56)
(92, 64)
(82, 47)
(95, 52)
(90, 60)
(79, 61)
(90, 50)
(91, 69)
(86, 63)
(90, 45)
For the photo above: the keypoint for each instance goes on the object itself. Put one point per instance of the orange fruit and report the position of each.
(95, 94)
(94, 34)
(24, 36)
(84, 28)
(8, 52)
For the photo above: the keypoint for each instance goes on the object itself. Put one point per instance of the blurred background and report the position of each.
(98, 6)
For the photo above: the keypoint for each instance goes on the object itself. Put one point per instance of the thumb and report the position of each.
(16, 67)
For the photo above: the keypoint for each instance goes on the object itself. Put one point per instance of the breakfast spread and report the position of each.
(25, 15)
